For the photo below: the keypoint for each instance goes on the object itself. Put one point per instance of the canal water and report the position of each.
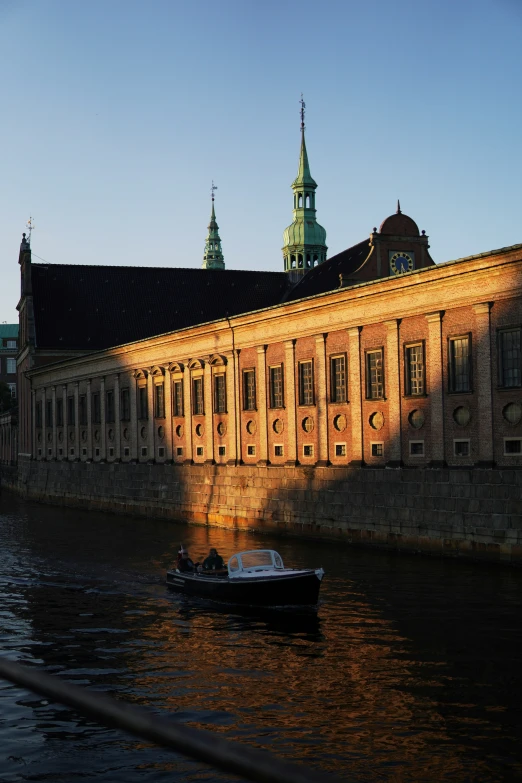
(411, 670)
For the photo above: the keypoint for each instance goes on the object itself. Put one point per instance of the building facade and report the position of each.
(8, 352)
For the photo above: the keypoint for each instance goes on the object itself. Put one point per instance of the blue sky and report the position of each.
(117, 115)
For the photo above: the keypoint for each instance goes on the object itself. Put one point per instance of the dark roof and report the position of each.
(325, 277)
(94, 307)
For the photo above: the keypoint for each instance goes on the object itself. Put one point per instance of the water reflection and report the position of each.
(409, 671)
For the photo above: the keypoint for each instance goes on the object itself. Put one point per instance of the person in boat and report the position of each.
(184, 562)
(213, 562)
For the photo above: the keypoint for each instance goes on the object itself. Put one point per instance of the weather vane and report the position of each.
(30, 226)
(212, 189)
(303, 106)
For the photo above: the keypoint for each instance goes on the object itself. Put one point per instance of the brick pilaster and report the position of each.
(355, 394)
(321, 401)
(290, 402)
(435, 377)
(482, 383)
(261, 403)
(209, 413)
(392, 392)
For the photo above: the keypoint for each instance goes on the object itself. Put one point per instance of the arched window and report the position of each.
(315, 260)
(293, 262)
(308, 260)
(300, 261)
(300, 201)
(307, 201)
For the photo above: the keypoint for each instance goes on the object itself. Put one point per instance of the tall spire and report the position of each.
(304, 241)
(213, 255)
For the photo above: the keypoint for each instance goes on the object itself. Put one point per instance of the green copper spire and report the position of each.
(213, 255)
(304, 242)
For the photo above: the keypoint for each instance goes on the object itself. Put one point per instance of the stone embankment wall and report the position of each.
(454, 512)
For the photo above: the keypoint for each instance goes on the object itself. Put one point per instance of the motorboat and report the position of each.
(255, 577)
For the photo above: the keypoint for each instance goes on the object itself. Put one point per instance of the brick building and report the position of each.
(8, 351)
(374, 358)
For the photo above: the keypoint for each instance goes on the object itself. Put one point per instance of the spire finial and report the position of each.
(30, 226)
(212, 189)
(398, 207)
(303, 107)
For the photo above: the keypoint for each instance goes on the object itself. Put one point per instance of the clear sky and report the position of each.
(117, 114)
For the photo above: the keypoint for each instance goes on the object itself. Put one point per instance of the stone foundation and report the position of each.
(455, 512)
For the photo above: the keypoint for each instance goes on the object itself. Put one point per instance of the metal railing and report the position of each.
(226, 755)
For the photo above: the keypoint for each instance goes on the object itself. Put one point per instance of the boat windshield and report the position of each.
(260, 559)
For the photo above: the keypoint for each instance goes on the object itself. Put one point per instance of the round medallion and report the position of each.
(251, 427)
(199, 430)
(71, 436)
(161, 432)
(307, 424)
(84, 435)
(512, 412)
(377, 420)
(339, 422)
(110, 434)
(60, 436)
(416, 419)
(278, 426)
(179, 431)
(462, 415)
(39, 437)
(143, 433)
(221, 428)
(126, 433)
(96, 435)
(49, 437)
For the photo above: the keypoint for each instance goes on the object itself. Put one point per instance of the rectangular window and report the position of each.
(59, 412)
(461, 448)
(460, 364)
(97, 452)
(84, 452)
(125, 404)
(109, 411)
(197, 397)
(416, 448)
(338, 379)
(143, 451)
(308, 451)
(512, 447)
(199, 451)
(159, 400)
(377, 449)
(249, 390)
(11, 344)
(71, 451)
(510, 358)
(251, 451)
(38, 414)
(340, 449)
(278, 451)
(161, 451)
(222, 450)
(143, 403)
(10, 366)
(177, 398)
(220, 397)
(179, 451)
(82, 405)
(12, 389)
(374, 375)
(126, 451)
(96, 408)
(306, 383)
(49, 413)
(70, 411)
(276, 386)
(415, 371)
(111, 451)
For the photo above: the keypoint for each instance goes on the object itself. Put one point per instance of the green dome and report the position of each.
(304, 232)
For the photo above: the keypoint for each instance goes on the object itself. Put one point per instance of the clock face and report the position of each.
(400, 263)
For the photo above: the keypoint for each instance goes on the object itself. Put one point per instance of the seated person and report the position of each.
(184, 562)
(213, 562)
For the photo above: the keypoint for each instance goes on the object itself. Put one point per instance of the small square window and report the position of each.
(278, 451)
(251, 451)
(111, 452)
(161, 451)
(461, 448)
(377, 449)
(96, 452)
(308, 451)
(143, 451)
(126, 451)
(39, 452)
(71, 451)
(179, 451)
(512, 447)
(416, 448)
(60, 452)
(340, 449)
(199, 451)
(222, 450)
(84, 452)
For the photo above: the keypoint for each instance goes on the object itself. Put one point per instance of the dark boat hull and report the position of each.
(299, 589)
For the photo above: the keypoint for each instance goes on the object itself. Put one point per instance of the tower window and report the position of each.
(300, 201)
(300, 261)
(307, 201)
